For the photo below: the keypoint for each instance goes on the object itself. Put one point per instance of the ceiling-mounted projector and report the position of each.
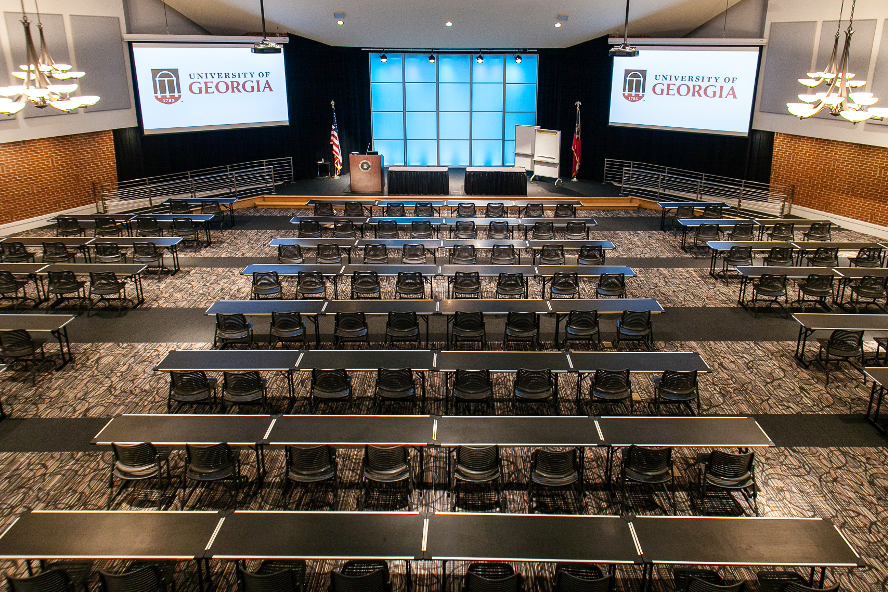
(624, 51)
(266, 46)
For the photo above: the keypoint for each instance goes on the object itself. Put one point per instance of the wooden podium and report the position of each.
(366, 173)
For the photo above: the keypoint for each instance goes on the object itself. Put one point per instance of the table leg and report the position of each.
(444, 576)
(174, 251)
(878, 404)
(557, 323)
(663, 220)
(684, 236)
(291, 387)
(140, 295)
(712, 261)
(801, 345)
(64, 346)
(231, 214)
(207, 231)
(741, 295)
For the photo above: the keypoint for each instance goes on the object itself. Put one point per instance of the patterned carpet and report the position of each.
(846, 485)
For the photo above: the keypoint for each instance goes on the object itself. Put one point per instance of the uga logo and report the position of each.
(166, 85)
(633, 84)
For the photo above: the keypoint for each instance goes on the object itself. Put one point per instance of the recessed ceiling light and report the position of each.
(448, 24)
(560, 20)
(342, 22)
(557, 25)
(340, 18)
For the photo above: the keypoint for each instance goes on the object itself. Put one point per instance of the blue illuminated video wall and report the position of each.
(453, 112)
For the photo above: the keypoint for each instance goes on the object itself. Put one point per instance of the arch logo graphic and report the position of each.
(167, 89)
(633, 85)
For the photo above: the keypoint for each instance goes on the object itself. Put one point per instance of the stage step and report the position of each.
(301, 201)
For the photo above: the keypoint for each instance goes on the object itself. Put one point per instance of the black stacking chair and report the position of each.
(824, 257)
(575, 230)
(565, 211)
(581, 577)
(647, 466)
(354, 209)
(386, 229)
(138, 462)
(819, 231)
(350, 327)
(290, 255)
(210, 463)
(377, 254)
(410, 284)
(17, 345)
(109, 253)
(777, 581)
(679, 388)
(564, 285)
(467, 326)
(472, 386)
(542, 230)
(779, 256)
(179, 206)
(402, 327)
(510, 285)
(611, 387)
(15, 252)
(147, 578)
(324, 209)
(534, 211)
(212, 207)
(187, 230)
(421, 229)
(106, 226)
(310, 284)
(361, 576)
(611, 284)
(476, 466)
(310, 464)
(232, 329)
(465, 229)
(635, 325)
(385, 466)
(495, 210)
(280, 580)
(329, 386)
(682, 213)
(466, 284)
(745, 231)
(244, 388)
(866, 257)
(705, 233)
(396, 385)
(107, 287)
(555, 470)
(365, 284)
(504, 255)
(191, 388)
(463, 255)
(870, 288)
(66, 226)
(309, 229)
(9, 284)
(57, 253)
(491, 577)
(328, 254)
(535, 386)
(841, 346)
(817, 288)
(395, 210)
(782, 231)
(286, 327)
(423, 209)
(552, 255)
(63, 283)
(522, 327)
(267, 284)
(582, 325)
(148, 226)
(712, 212)
(591, 255)
(344, 229)
(736, 256)
(728, 472)
(465, 210)
(415, 255)
(498, 230)
(683, 576)
(769, 288)
(50, 580)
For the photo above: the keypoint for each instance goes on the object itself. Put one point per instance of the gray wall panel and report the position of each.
(54, 30)
(789, 57)
(100, 49)
(861, 52)
(879, 86)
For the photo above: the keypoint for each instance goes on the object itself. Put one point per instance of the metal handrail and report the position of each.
(244, 179)
(659, 182)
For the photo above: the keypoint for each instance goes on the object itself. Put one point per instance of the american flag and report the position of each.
(334, 140)
(576, 146)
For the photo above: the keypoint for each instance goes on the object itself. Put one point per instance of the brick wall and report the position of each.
(48, 175)
(841, 178)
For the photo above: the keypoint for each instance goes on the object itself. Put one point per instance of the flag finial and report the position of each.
(333, 104)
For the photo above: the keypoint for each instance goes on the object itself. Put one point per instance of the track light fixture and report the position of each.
(517, 59)
(383, 58)
(480, 59)
(432, 58)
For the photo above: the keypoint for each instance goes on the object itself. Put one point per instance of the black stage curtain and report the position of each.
(583, 73)
(316, 74)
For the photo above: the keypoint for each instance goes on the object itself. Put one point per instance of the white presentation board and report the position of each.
(191, 87)
(547, 154)
(699, 89)
(524, 137)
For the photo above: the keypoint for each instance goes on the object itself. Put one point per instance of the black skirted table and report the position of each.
(496, 181)
(418, 181)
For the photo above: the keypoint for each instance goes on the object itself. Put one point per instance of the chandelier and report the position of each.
(44, 79)
(840, 97)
